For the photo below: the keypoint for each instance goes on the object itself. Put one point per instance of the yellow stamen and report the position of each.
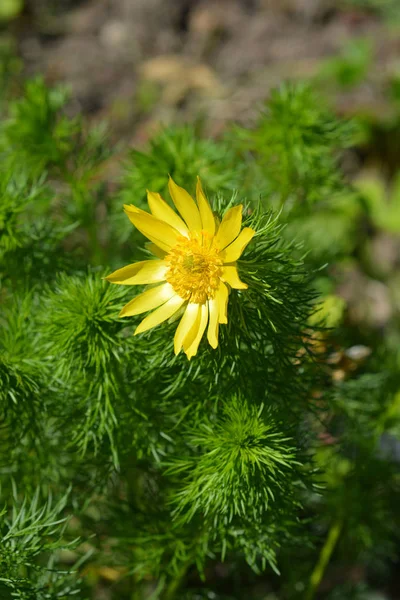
(194, 268)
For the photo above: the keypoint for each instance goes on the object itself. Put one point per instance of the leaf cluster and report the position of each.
(31, 531)
(295, 144)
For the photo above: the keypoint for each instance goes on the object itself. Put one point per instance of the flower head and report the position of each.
(195, 266)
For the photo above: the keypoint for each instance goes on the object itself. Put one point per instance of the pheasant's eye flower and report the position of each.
(195, 270)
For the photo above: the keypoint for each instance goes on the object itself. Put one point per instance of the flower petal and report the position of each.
(132, 208)
(145, 271)
(221, 297)
(213, 323)
(151, 298)
(230, 275)
(200, 326)
(124, 274)
(230, 227)
(163, 212)
(154, 249)
(235, 250)
(161, 314)
(159, 232)
(207, 216)
(185, 205)
(186, 325)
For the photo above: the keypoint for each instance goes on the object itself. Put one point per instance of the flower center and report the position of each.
(194, 268)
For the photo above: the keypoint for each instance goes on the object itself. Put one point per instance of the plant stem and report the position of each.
(176, 583)
(323, 559)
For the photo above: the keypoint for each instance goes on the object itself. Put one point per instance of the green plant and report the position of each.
(121, 462)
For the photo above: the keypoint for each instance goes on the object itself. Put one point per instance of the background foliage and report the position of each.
(267, 468)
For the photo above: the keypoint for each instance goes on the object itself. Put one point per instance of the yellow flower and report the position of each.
(195, 270)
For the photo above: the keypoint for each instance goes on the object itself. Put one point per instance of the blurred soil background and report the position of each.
(141, 62)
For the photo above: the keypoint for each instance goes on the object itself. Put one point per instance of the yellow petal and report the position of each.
(161, 314)
(235, 250)
(213, 323)
(158, 232)
(185, 205)
(154, 249)
(163, 212)
(151, 298)
(207, 216)
(221, 297)
(230, 227)
(231, 276)
(124, 274)
(145, 271)
(201, 324)
(132, 209)
(186, 325)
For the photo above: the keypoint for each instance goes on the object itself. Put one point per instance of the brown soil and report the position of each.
(139, 61)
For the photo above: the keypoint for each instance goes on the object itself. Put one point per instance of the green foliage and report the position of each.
(331, 311)
(84, 321)
(15, 198)
(245, 460)
(9, 68)
(32, 530)
(183, 154)
(20, 364)
(84, 325)
(29, 246)
(362, 466)
(293, 154)
(35, 132)
(382, 204)
(295, 143)
(351, 66)
(242, 479)
(248, 455)
(10, 9)
(340, 239)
